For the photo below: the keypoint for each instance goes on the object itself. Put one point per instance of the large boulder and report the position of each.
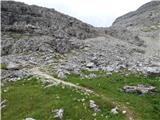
(152, 71)
(13, 66)
(140, 88)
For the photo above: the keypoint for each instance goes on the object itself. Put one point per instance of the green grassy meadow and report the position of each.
(29, 98)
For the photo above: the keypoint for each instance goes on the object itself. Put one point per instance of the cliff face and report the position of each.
(145, 16)
(20, 17)
(138, 26)
(31, 28)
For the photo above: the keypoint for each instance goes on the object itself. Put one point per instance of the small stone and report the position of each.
(92, 75)
(94, 106)
(29, 119)
(110, 68)
(127, 103)
(109, 74)
(94, 114)
(57, 97)
(61, 75)
(90, 65)
(5, 90)
(59, 113)
(114, 110)
(83, 100)
(63, 87)
(2, 104)
(124, 112)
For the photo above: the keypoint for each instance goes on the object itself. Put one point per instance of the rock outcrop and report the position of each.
(146, 15)
(140, 88)
(136, 26)
(32, 28)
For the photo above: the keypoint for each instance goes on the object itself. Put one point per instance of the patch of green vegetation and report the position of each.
(3, 66)
(145, 107)
(58, 56)
(17, 36)
(29, 98)
(151, 28)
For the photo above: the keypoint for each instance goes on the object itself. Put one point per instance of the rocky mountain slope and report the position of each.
(54, 28)
(134, 26)
(34, 36)
(146, 15)
(132, 43)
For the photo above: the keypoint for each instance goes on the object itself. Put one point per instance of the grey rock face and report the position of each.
(146, 15)
(138, 27)
(31, 28)
(22, 18)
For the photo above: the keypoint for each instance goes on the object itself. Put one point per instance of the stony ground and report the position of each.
(91, 95)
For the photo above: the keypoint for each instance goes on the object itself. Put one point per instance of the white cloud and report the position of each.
(95, 12)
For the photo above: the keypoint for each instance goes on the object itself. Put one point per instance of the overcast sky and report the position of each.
(99, 13)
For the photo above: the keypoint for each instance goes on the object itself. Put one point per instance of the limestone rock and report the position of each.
(29, 119)
(93, 106)
(92, 75)
(90, 65)
(2, 104)
(152, 70)
(13, 66)
(59, 113)
(114, 110)
(140, 88)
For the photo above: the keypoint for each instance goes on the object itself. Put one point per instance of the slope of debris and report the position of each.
(35, 36)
